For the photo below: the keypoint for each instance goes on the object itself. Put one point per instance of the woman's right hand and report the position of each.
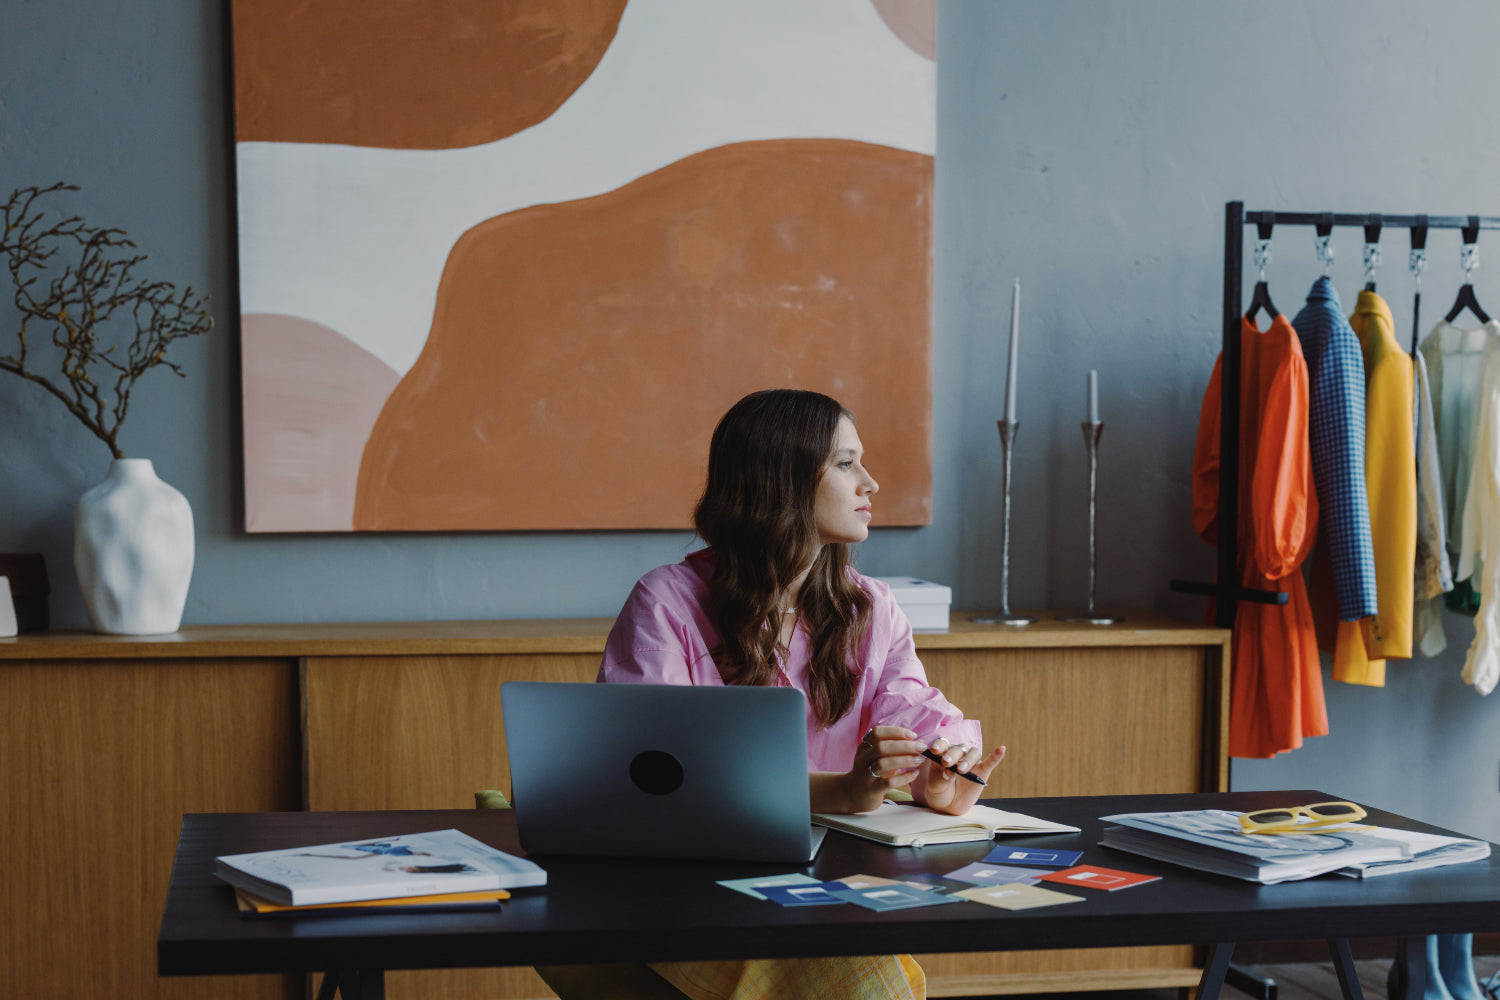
(888, 757)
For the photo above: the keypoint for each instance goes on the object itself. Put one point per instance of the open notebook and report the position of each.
(914, 826)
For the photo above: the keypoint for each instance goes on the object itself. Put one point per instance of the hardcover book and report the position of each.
(416, 864)
(251, 905)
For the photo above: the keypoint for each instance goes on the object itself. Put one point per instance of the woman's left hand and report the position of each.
(942, 789)
(886, 758)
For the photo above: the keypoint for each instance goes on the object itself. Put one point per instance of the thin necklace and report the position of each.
(786, 611)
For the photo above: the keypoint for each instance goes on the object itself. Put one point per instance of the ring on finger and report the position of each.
(874, 771)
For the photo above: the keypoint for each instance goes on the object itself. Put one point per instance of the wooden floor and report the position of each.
(1299, 981)
(1317, 980)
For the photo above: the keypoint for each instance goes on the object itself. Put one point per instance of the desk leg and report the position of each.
(1412, 969)
(1343, 964)
(1214, 971)
(329, 989)
(1259, 988)
(353, 984)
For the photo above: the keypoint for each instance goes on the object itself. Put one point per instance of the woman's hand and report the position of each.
(888, 757)
(941, 789)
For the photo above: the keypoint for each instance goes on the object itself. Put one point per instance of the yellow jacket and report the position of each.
(1391, 478)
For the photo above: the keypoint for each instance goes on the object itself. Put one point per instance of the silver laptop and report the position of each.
(659, 771)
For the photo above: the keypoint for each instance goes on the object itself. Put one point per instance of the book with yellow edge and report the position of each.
(915, 826)
(414, 864)
(251, 905)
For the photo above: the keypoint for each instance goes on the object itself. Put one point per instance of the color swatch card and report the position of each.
(869, 881)
(750, 886)
(1032, 856)
(1095, 877)
(892, 897)
(938, 883)
(980, 873)
(812, 894)
(1016, 897)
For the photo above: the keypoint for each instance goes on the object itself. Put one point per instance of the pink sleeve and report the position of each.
(648, 643)
(902, 696)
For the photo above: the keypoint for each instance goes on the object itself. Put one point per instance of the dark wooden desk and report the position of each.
(608, 910)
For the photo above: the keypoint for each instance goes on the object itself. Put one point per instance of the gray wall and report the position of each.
(1085, 147)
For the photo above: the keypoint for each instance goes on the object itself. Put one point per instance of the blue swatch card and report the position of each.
(1032, 856)
(870, 881)
(980, 873)
(941, 884)
(892, 897)
(749, 886)
(813, 894)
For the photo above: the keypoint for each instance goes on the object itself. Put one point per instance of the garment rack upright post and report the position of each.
(1226, 589)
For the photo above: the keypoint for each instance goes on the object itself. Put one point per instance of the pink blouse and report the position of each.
(663, 636)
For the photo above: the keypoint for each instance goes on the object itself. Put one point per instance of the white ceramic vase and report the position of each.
(133, 551)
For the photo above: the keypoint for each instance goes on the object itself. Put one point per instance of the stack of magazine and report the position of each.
(1211, 840)
(442, 869)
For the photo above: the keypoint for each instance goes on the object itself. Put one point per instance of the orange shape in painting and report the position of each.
(410, 75)
(311, 396)
(581, 352)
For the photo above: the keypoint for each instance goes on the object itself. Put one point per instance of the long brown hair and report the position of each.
(766, 458)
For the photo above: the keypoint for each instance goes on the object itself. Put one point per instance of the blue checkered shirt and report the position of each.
(1336, 377)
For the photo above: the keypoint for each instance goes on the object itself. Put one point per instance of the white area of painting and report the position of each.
(356, 238)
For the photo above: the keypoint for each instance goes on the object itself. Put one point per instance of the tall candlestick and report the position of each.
(1015, 332)
(1092, 431)
(1093, 397)
(1005, 616)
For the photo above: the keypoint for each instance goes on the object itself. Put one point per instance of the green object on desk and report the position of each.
(489, 798)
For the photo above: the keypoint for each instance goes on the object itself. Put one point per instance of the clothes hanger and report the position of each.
(1261, 297)
(1466, 300)
(1323, 245)
(1469, 256)
(1372, 249)
(1415, 262)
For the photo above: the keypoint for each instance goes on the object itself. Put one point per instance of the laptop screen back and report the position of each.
(670, 771)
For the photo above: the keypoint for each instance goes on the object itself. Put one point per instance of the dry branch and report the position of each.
(75, 285)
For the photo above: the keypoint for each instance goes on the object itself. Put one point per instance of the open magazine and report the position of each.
(1211, 840)
(1427, 850)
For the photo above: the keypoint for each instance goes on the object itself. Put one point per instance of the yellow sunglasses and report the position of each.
(1316, 817)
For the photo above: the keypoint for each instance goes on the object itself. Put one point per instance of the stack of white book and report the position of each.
(1211, 840)
(437, 863)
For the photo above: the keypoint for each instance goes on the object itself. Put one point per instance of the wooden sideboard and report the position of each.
(109, 740)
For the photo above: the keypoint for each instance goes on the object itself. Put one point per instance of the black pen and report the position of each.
(962, 774)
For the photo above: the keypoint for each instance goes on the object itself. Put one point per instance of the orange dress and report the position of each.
(1276, 693)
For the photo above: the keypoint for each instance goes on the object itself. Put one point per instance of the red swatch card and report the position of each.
(1094, 877)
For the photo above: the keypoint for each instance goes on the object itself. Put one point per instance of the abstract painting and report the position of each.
(503, 266)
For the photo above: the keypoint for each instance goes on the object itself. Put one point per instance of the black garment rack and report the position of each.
(1226, 590)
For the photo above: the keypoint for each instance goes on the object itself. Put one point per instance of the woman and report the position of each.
(774, 601)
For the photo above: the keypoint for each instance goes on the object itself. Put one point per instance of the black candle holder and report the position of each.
(1093, 430)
